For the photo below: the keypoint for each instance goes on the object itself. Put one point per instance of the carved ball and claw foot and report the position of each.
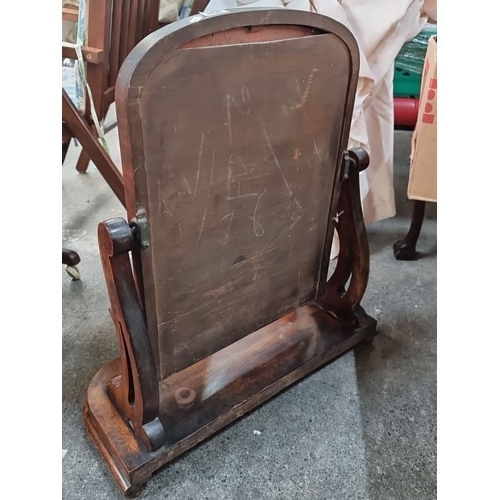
(405, 249)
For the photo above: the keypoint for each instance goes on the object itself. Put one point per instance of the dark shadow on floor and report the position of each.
(396, 374)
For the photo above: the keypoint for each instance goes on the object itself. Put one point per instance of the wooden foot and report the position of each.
(134, 492)
(405, 249)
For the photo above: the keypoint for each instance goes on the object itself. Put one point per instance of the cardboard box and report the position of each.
(423, 159)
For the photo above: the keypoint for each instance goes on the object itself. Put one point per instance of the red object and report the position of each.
(405, 111)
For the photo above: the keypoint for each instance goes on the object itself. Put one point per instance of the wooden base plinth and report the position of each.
(207, 396)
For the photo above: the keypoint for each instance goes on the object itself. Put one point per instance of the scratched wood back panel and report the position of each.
(237, 167)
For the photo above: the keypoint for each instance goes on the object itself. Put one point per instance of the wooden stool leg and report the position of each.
(405, 248)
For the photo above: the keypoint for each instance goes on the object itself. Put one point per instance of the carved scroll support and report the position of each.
(346, 287)
(136, 392)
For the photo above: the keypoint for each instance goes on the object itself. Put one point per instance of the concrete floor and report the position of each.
(362, 427)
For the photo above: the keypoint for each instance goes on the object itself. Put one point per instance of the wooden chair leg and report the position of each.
(82, 132)
(66, 139)
(84, 159)
(83, 162)
(405, 249)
